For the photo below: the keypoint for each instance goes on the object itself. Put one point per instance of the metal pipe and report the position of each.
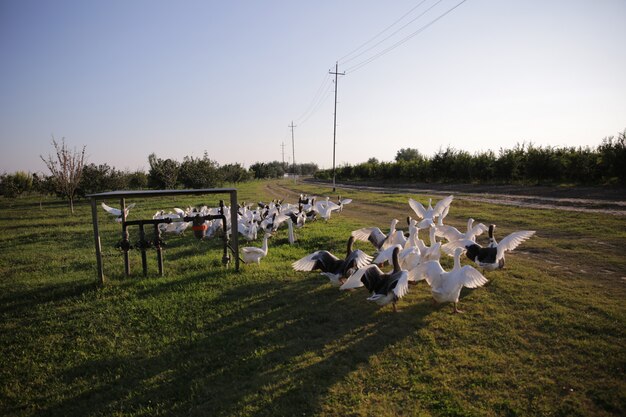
(142, 244)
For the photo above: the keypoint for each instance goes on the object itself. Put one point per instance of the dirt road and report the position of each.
(583, 199)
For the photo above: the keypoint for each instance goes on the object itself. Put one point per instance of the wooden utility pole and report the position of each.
(282, 145)
(293, 150)
(336, 73)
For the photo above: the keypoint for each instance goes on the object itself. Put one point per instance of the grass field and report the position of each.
(545, 337)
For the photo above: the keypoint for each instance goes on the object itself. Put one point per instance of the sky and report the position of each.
(129, 78)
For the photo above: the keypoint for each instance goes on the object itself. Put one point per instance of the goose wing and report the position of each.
(112, 211)
(371, 234)
(512, 241)
(385, 255)
(332, 206)
(355, 279)
(450, 233)
(346, 201)
(396, 239)
(442, 205)
(320, 259)
(469, 277)
(418, 208)
(358, 258)
(449, 247)
(402, 284)
(430, 271)
(252, 249)
(477, 230)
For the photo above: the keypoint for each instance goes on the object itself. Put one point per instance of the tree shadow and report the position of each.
(17, 302)
(278, 352)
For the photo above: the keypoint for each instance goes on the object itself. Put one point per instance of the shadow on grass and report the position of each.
(17, 302)
(278, 351)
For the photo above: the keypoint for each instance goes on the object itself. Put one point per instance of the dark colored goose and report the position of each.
(492, 257)
(384, 287)
(337, 270)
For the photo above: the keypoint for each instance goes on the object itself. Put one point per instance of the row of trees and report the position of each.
(605, 164)
(71, 177)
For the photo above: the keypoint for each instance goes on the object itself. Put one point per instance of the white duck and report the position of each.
(117, 212)
(446, 286)
(385, 287)
(252, 254)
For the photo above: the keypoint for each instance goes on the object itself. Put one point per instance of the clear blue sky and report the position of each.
(127, 78)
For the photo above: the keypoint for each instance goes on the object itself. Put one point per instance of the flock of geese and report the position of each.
(411, 260)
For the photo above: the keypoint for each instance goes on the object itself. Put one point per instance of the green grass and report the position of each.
(546, 336)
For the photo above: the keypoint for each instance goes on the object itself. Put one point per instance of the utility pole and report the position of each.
(336, 73)
(282, 145)
(293, 149)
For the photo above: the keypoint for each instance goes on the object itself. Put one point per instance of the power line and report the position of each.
(320, 97)
(386, 29)
(405, 39)
(316, 97)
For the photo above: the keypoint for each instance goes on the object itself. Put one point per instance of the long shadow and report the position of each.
(278, 353)
(17, 302)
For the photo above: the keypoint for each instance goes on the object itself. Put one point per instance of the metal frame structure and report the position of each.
(123, 195)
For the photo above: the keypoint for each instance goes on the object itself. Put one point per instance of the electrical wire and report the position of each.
(402, 41)
(382, 31)
(320, 97)
(394, 33)
(318, 92)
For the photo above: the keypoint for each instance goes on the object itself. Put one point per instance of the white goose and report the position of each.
(451, 233)
(430, 212)
(252, 254)
(385, 287)
(117, 212)
(446, 286)
(409, 256)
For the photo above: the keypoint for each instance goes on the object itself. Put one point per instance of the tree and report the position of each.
(234, 173)
(409, 154)
(199, 172)
(163, 172)
(66, 167)
(12, 185)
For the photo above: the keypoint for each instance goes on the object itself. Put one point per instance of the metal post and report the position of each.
(234, 235)
(144, 260)
(125, 236)
(157, 244)
(96, 235)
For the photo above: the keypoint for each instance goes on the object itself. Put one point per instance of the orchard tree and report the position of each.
(408, 154)
(66, 168)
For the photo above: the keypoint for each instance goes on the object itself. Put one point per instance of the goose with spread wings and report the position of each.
(384, 287)
(337, 270)
(431, 212)
(492, 257)
(446, 286)
(117, 213)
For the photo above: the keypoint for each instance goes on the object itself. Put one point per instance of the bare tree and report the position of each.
(66, 167)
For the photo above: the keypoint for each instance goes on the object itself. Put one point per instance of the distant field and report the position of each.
(545, 337)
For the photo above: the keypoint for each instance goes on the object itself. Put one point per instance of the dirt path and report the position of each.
(611, 202)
